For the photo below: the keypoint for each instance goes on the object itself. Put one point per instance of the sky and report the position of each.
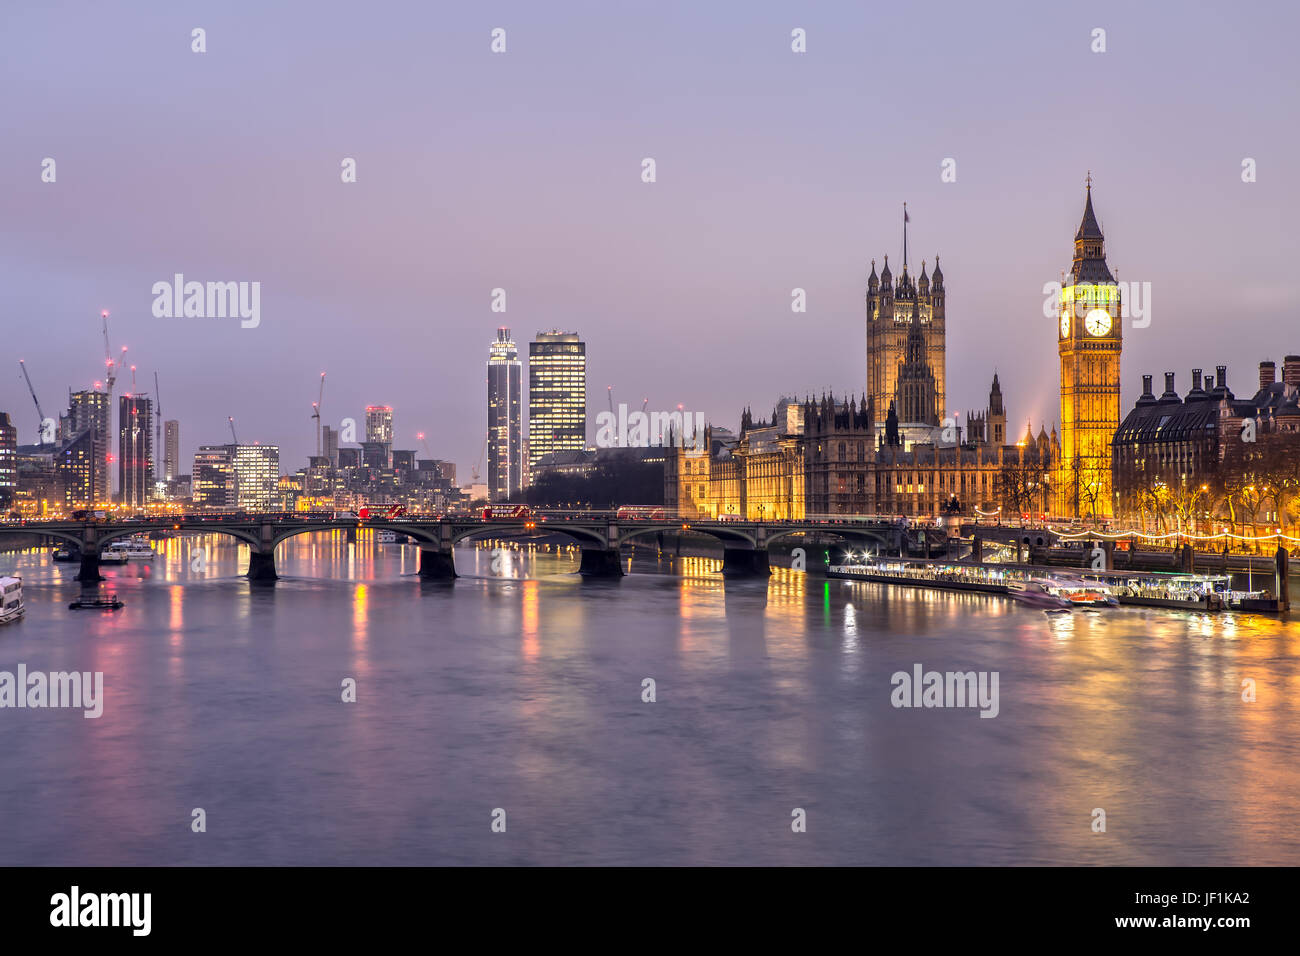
(522, 170)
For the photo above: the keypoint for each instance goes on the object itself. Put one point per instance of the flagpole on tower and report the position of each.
(905, 222)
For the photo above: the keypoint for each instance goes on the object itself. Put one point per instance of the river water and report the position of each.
(518, 688)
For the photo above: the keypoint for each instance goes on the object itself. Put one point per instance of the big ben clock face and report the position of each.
(1065, 325)
(1098, 322)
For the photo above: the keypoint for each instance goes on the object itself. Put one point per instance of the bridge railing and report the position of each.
(646, 513)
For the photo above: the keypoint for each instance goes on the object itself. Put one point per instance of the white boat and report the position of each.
(1035, 594)
(1080, 593)
(386, 537)
(11, 599)
(120, 552)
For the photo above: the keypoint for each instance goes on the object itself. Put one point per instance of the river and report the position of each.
(515, 694)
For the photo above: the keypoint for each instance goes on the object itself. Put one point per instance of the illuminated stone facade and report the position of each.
(834, 464)
(1090, 338)
(892, 310)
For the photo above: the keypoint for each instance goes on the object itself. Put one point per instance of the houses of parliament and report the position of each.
(896, 449)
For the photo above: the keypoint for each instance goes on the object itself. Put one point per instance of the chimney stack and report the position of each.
(1196, 380)
(1146, 386)
(1170, 395)
(1291, 370)
(1267, 374)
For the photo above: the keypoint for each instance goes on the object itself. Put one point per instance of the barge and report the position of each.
(1078, 588)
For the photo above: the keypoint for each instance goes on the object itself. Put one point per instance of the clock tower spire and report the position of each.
(1089, 341)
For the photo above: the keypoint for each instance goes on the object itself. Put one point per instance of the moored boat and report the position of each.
(11, 599)
(1078, 588)
(136, 548)
(1081, 593)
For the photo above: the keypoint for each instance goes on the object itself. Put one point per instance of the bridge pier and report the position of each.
(261, 565)
(437, 565)
(745, 562)
(601, 563)
(89, 572)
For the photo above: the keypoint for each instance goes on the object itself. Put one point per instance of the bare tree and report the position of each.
(1021, 484)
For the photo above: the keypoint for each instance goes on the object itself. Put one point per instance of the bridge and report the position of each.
(599, 534)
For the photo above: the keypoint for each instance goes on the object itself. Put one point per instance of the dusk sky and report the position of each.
(522, 170)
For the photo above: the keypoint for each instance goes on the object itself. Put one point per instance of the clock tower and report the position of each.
(1089, 336)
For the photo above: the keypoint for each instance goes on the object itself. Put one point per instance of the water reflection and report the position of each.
(521, 687)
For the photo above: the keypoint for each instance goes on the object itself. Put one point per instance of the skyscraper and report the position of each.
(213, 478)
(1089, 341)
(172, 449)
(135, 450)
(504, 418)
(557, 394)
(86, 426)
(257, 476)
(8, 455)
(379, 423)
(246, 477)
(379, 436)
(74, 464)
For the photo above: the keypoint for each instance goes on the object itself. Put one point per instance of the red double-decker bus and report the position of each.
(396, 511)
(507, 511)
(640, 513)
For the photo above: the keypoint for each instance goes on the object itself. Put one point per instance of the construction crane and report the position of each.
(421, 438)
(315, 411)
(40, 424)
(110, 366)
(110, 377)
(231, 419)
(474, 470)
(609, 393)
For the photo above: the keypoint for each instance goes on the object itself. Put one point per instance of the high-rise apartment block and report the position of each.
(557, 394)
